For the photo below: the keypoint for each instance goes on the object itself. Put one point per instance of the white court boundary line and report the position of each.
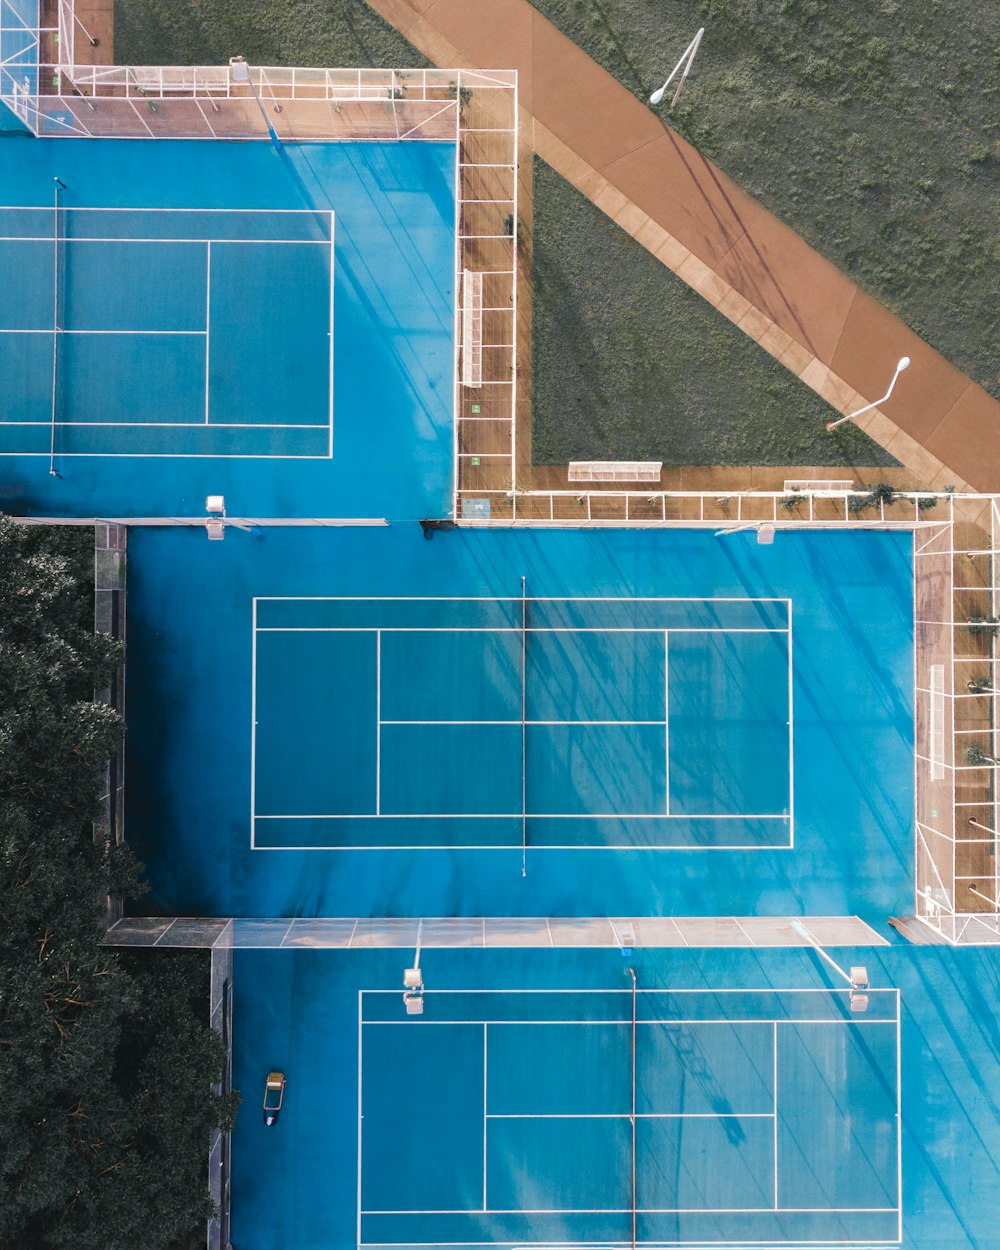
(157, 425)
(208, 330)
(315, 215)
(847, 1020)
(785, 818)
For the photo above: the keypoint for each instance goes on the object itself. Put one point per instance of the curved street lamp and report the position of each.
(689, 55)
(904, 363)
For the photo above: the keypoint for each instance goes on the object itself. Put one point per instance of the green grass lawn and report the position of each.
(630, 364)
(869, 126)
(328, 33)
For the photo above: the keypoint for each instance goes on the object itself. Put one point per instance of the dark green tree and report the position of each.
(106, 1064)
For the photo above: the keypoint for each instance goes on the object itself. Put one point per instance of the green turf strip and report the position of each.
(326, 33)
(630, 364)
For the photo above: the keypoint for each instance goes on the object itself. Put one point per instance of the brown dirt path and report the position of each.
(758, 272)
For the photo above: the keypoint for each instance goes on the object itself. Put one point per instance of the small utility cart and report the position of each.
(274, 1091)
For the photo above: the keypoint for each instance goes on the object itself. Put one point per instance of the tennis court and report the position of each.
(183, 319)
(522, 721)
(706, 1115)
(151, 327)
(373, 724)
(766, 1112)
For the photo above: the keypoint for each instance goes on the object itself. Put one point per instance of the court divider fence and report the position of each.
(219, 1156)
(957, 713)
(110, 546)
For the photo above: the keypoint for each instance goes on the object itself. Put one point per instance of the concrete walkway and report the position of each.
(759, 273)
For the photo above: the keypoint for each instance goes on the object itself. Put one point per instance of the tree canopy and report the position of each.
(106, 1060)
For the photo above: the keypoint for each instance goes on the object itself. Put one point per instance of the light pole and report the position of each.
(765, 531)
(857, 978)
(239, 71)
(413, 981)
(687, 60)
(904, 363)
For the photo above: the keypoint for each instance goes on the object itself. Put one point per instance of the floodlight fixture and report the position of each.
(857, 978)
(765, 530)
(413, 981)
(687, 60)
(239, 72)
(859, 986)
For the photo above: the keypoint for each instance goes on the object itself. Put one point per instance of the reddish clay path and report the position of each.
(756, 270)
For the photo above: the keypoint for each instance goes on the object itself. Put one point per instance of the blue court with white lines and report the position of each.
(373, 724)
(737, 1100)
(597, 717)
(187, 319)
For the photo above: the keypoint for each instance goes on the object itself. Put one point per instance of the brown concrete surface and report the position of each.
(95, 18)
(757, 271)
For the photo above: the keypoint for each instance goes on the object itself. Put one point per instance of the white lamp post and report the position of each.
(904, 363)
(239, 71)
(413, 982)
(687, 60)
(857, 978)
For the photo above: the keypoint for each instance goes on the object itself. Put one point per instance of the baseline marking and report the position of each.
(329, 446)
(208, 323)
(486, 1115)
(791, 734)
(253, 732)
(774, 1081)
(666, 716)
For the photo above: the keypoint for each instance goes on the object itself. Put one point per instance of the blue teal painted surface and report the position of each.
(190, 688)
(265, 307)
(18, 61)
(450, 1100)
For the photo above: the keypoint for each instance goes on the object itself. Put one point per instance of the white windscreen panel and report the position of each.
(615, 470)
(936, 743)
(472, 328)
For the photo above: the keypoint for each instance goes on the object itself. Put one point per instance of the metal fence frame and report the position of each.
(957, 585)
(110, 544)
(956, 582)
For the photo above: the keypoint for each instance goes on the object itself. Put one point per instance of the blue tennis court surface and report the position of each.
(372, 724)
(739, 1098)
(18, 55)
(177, 333)
(761, 1108)
(596, 716)
(194, 318)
